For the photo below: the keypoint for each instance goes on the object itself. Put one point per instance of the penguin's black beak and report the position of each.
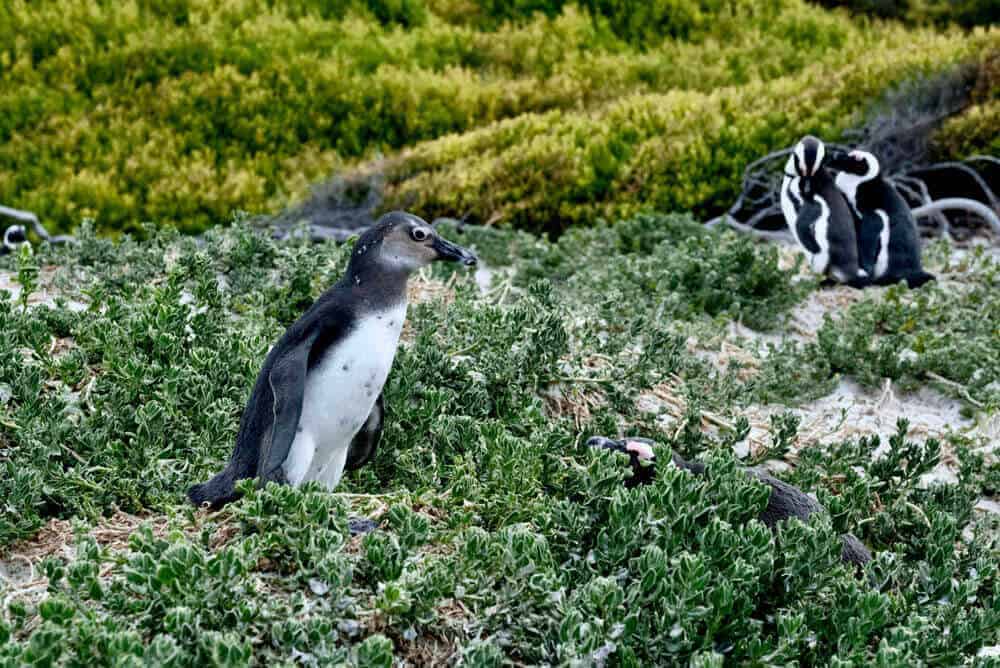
(448, 251)
(606, 443)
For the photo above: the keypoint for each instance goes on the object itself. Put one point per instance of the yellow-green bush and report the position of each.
(974, 132)
(961, 12)
(977, 130)
(682, 150)
(181, 112)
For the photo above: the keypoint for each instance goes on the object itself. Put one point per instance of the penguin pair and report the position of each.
(316, 408)
(818, 215)
(785, 501)
(888, 242)
(853, 226)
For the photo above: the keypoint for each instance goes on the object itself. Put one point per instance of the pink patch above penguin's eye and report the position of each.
(641, 450)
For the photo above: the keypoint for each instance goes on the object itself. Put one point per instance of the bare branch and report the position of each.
(985, 158)
(962, 204)
(18, 214)
(925, 198)
(973, 174)
(748, 227)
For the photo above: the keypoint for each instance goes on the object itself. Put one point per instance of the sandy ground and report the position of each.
(850, 410)
(45, 294)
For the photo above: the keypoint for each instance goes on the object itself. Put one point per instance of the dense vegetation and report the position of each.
(541, 114)
(500, 537)
(500, 540)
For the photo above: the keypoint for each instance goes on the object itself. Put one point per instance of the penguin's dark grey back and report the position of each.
(904, 240)
(785, 502)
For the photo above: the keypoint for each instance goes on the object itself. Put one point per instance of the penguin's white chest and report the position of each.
(340, 393)
(790, 187)
(821, 260)
(791, 203)
(882, 260)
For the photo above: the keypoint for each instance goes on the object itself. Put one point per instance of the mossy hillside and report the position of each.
(974, 131)
(502, 538)
(130, 112)
(677, 151)
(962, 12)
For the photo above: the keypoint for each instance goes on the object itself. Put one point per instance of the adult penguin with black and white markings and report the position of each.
(889, 245)
(316, 408)
(818, 215)
(785, 501)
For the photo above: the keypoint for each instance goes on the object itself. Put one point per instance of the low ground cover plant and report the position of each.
(500, 537)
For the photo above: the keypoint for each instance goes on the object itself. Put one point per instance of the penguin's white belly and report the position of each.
(790, 187)
(882, 261)
(788, 206)
(340, 394)
(848, 184)
(821, 260)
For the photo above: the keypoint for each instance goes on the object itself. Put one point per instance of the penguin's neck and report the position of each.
(821, 179)
(379, 284)
(849, 183)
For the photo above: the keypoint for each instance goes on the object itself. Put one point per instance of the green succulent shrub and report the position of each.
(500, 538)
(966, 13)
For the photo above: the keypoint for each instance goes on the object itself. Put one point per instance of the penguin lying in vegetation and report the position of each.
(784, 502)
(818, 216)
(316, 408)
(889, 244)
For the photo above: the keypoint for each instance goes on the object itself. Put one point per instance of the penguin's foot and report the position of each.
(360, 525)
(859, 283)
(914, 281)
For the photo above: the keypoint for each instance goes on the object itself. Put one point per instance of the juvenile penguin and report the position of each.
(784, 502)
(818, 216)
(316, 408)
(888, 243)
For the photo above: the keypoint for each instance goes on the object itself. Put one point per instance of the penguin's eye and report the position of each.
(419, 233)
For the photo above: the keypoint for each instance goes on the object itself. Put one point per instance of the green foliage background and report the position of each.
(538, 113)
(501, 538)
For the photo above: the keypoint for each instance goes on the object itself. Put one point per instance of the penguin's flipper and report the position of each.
(869, 241)
(288, 384)
(804, 228)
(365, 442)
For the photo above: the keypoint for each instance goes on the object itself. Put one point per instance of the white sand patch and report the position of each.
(847, 413)
(851, 411)
(484, 276)
(805, 320)
(44, 294)
(988, 506)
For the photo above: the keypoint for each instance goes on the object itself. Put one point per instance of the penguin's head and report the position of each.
(640, 448)
(858, 163)
(405, 242)
(808, 156)
(14, 236)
